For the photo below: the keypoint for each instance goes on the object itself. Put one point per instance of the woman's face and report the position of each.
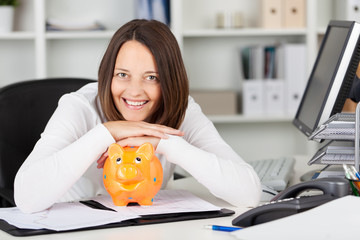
(135, 86)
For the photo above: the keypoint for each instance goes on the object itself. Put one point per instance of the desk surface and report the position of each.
(176, 230)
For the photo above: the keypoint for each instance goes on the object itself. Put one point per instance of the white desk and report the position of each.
(176, 230)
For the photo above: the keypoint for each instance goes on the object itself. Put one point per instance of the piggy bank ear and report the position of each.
(115, 149)
(147, 149)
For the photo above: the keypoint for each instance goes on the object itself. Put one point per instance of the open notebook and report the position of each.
(169, 206)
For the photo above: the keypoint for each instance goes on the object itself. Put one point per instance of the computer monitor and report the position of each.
(331, 77)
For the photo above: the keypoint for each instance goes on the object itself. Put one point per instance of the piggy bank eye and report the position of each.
(137, 160)
(118, 160)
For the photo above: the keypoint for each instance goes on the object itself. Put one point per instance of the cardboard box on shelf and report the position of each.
(216, 102)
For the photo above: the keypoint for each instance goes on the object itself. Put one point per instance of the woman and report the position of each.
(141, 96)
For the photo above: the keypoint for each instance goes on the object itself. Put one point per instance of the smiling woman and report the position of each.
(158, 44)
(142, 96)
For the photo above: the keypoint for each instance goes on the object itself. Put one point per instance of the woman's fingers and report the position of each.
(165, 129)
(137, 141)
(101, 160)
(161, 131)
(125, 129)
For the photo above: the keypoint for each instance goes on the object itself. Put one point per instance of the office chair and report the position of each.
(25, 109)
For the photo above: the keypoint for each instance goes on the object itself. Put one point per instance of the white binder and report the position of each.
(253, 98)
(274, 97)
(347, 10)
(295, 75)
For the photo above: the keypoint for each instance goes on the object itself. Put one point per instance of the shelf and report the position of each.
(211, 55)
(248, 32)
(79, 34)
(248, 119)
(17, 36)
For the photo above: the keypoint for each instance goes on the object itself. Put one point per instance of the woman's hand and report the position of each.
(135, 133)
(137, 141)
(125, 129)
(101, 160)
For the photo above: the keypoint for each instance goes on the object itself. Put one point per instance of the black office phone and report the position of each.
(288, 202)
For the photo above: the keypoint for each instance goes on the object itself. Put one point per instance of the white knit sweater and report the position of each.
(62, 165)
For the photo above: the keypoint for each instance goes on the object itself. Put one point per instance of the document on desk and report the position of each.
(166, 201)
(338, 219)
(62, 216)
(69, 216)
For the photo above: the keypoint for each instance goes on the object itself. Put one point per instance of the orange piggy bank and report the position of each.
(132, 174)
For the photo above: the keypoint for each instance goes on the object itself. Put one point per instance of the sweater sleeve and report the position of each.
(72, 140)
(205, 155)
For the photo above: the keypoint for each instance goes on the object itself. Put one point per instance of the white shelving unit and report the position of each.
(210, 55)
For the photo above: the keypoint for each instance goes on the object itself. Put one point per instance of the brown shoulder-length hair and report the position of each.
(158, 38)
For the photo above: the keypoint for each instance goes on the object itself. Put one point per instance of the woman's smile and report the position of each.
(135, 104)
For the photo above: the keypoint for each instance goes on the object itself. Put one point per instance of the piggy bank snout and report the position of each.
(128, 172)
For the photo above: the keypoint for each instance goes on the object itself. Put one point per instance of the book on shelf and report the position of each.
(53, 24)
(153, 9)
(276, 72)
(259, 62)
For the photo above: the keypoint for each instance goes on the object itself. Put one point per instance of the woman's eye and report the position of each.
(152, 78)
(122, 75)
(118, 160)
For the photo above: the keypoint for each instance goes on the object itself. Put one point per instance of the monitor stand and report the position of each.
(333, 170)
(308, 175)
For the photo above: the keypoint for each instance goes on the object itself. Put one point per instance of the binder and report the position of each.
(252, 62)
(295, 75)
(294, 13)
(274, 97)
(145, 220)
(153, 9)
(257, 62)
(143, 9)
(347, 10)
(263, 85)
(169, 206)
(253, 97)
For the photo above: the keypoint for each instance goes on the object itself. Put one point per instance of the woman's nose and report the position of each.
(135, 87)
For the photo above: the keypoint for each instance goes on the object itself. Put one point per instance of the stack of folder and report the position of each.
(339, 130)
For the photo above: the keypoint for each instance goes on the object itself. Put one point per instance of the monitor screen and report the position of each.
(331, 77)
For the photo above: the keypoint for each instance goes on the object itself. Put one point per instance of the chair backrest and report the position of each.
(25, 109)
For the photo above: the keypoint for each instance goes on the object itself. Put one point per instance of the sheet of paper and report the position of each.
(62, 216)
(165, 201)
(338, 219)
(67, 216)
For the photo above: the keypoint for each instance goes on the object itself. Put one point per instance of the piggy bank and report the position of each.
(132, 174)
